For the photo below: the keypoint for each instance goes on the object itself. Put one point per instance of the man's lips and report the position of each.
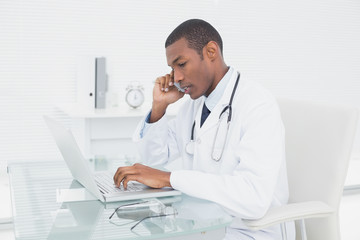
(186, 88)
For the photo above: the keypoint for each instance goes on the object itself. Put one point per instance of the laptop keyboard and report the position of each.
(105, 182)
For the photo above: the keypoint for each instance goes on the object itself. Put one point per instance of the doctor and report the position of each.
(229, 135)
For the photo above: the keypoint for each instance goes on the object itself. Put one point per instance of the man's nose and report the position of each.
(178, 76)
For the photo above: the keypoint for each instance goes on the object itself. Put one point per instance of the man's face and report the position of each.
(190, 71)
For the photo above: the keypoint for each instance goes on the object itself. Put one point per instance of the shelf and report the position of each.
(77, 111)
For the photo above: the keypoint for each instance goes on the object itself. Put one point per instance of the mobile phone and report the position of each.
(177, 85)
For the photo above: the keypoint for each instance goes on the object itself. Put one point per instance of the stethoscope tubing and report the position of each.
(227, 107)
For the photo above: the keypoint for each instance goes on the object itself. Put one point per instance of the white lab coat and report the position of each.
(251, 175)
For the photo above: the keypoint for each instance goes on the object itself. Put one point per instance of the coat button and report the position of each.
(198, 140)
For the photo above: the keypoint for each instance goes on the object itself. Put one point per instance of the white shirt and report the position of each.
(251, 175)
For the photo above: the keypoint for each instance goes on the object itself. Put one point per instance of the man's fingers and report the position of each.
(126, 174)
(121, 173)
(125, 181)
(117, 180)
(160, 81)
(171, 83)
(142, 174)
(167, 81)
(163, 81)
(129, 178)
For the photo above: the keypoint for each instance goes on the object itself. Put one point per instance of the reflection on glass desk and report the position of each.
(40, 212)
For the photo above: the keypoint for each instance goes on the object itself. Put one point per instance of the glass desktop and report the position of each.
(49, 204)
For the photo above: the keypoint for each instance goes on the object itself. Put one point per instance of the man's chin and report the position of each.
(194, 97)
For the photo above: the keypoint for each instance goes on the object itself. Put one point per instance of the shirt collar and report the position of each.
(217, 93)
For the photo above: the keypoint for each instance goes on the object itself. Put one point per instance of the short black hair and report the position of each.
(197, 33)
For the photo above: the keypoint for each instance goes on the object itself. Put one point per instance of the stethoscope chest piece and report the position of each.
(190, 147)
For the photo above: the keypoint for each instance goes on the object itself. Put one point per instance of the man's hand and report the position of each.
(164, 94)
(149, 176)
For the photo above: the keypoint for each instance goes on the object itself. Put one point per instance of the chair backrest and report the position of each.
(319, 140)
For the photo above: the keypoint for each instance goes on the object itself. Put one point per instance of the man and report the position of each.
(240, 166)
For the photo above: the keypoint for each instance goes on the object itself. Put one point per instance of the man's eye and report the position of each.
(182, 64)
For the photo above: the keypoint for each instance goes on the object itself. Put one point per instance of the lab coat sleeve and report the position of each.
(249, 190)
(154, 144)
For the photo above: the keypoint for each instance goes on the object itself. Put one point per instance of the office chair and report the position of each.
(319, 140)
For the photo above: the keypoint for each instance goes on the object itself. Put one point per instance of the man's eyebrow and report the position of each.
(175, 60)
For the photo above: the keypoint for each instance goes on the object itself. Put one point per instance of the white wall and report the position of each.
(300, 49)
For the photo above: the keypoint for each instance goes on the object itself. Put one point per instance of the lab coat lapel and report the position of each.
(198, 130)
(213, 118)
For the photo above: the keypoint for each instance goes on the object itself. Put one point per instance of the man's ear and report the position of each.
(212, 50)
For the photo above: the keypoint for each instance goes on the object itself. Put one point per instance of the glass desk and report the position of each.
(40, 213)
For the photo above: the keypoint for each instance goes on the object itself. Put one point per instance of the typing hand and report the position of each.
(149, 176)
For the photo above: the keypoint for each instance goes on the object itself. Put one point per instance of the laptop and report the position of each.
(100, 184)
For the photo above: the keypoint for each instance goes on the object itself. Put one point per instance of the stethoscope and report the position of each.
(220, 137)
